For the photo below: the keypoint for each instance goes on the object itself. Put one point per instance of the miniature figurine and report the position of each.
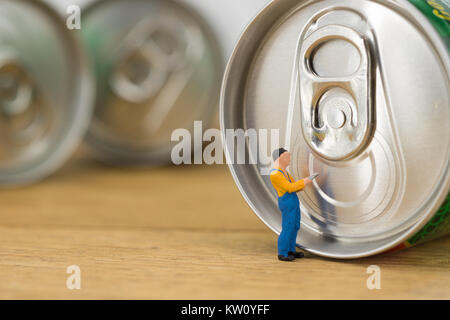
(288, 203)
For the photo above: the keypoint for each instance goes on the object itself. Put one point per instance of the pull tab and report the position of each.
(335, 92)
(152, 50)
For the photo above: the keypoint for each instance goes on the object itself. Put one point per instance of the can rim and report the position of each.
(443, 185)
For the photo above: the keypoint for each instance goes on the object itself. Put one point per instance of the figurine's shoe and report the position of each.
(284, 258)
(297, 255)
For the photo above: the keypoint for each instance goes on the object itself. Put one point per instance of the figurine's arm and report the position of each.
(280, 182)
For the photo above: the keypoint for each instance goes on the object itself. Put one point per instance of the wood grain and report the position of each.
(135, 239)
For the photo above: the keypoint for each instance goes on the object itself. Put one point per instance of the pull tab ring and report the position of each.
(337, 111)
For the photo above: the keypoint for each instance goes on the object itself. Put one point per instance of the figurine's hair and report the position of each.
(277, 153)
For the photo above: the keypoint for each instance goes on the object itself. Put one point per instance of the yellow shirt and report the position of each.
(281, 183)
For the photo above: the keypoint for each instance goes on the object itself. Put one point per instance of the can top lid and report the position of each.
(360, 93)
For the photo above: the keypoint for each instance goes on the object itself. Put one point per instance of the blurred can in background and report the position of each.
(45, 92)
(158, 68)
(360, 93)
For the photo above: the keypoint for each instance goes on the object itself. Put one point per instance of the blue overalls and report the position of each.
(290, 213)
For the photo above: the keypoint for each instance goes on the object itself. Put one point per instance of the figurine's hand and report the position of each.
(312, 177)
(307, 181)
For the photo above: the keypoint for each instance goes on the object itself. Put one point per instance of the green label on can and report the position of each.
(437, 227)
(438, 13)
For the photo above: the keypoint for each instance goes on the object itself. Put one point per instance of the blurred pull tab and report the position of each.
(138, 76)
(152, 50)
(16, 89)
(335, 93)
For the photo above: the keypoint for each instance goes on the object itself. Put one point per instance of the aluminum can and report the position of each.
(158, 68)
(359, 91)
(45, 92)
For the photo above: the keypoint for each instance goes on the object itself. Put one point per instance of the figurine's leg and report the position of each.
(293, 241)
(285, 235)
(296, 227)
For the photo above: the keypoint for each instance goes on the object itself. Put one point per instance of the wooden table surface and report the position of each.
(177, 233)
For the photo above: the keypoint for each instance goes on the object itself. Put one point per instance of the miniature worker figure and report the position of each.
(288, 203)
